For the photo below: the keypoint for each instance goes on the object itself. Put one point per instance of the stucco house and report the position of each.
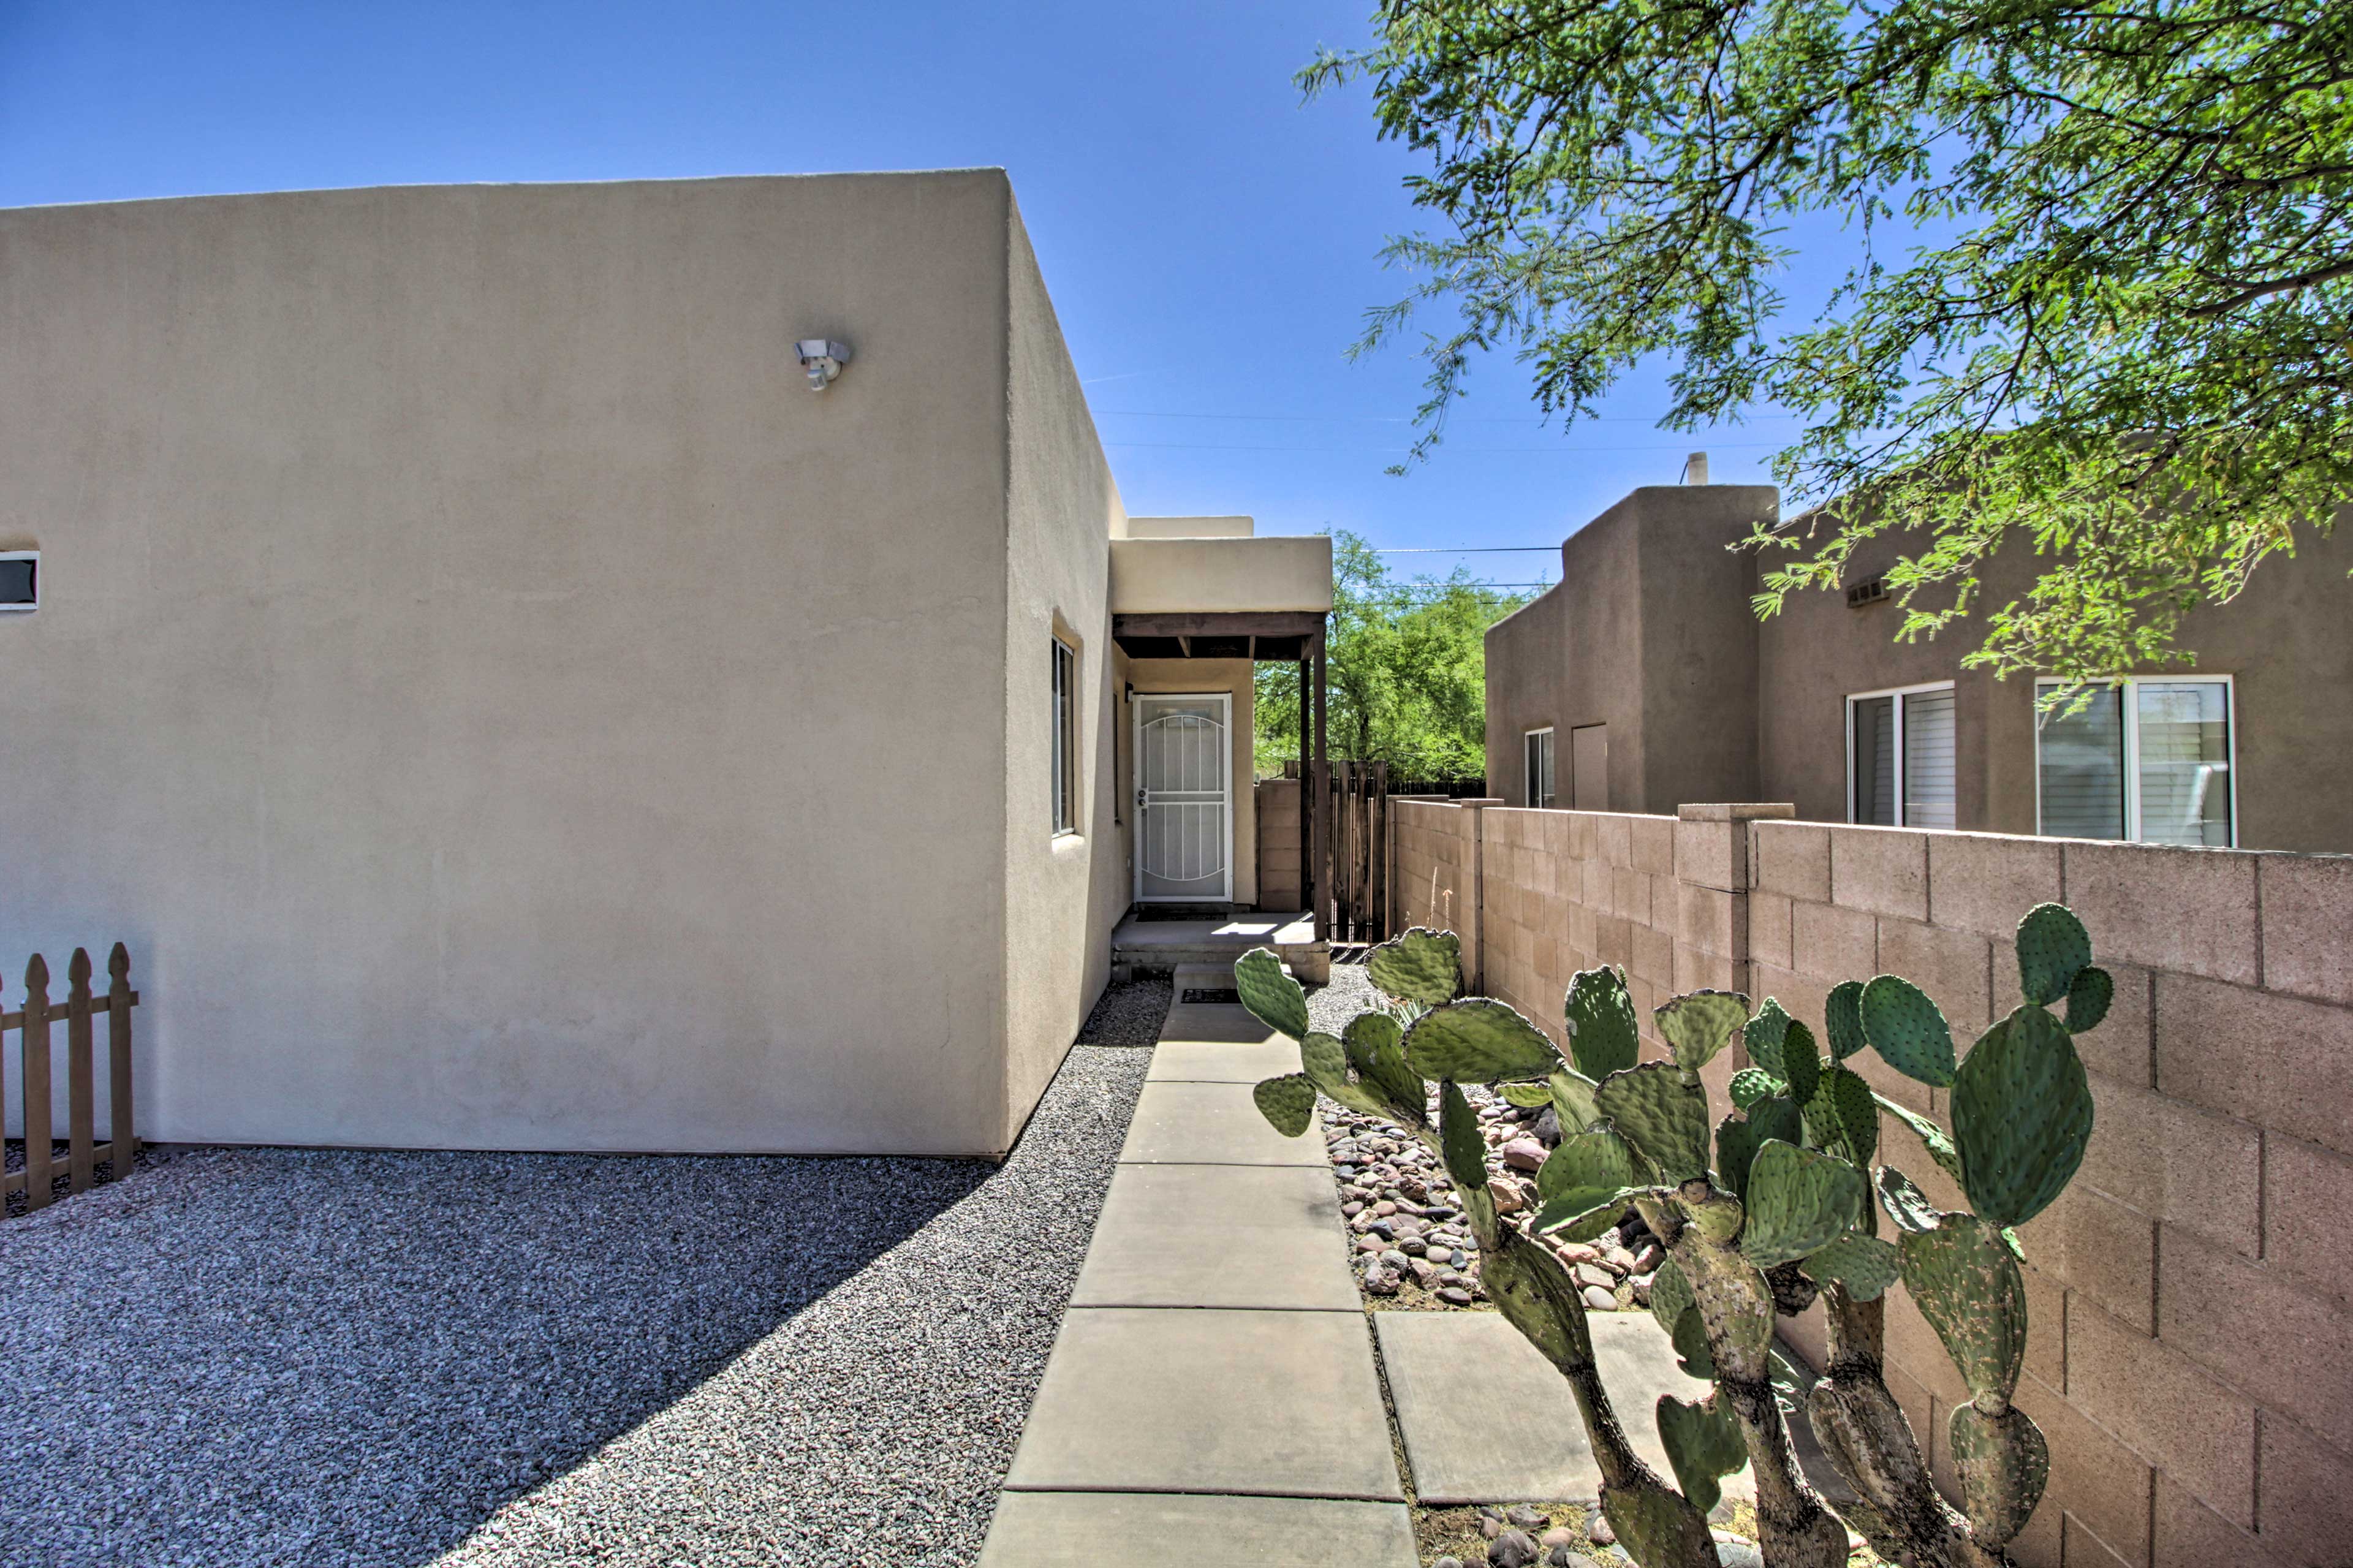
(1642, 680)
(503, 705)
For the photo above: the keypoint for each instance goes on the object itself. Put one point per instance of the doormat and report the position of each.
(1196, 993)
(1181, 912)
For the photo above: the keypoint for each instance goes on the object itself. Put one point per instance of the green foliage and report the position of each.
(1287, 1102)
(1704, 1444)
(1750, 1085)
(1662, 1117)
(1842, 1019)
(1799, 1200)
(2052, 948)
(1325, 1061)
(1801, 1062)
(1700, 1024)
(1603, 1036)
(1856, 1113)
(1418, 965)
(2109, 328)
(1967, 1285)
(1478, 1040)
(1763, 1037)
(1459, 1144)
(2022, 1116)
(1908, 1030)
(2088, 995)
(1585, 1184)
(1273, 997)
(2003, 1463)
(1374, 1047)
(1864, 1265)
(1406, 668)
(1526, 1095)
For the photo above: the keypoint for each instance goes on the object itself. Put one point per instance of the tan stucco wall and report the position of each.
(1292, 571)
(498, 702)
(1188, 527)
(1190, 676)
(1649, 632)
(1063, 894)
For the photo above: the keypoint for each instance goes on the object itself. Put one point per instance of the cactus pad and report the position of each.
(1478, 1040)
(1325, 1061)
(1801, 1064)
(1763, 1036)
(1750, 1085)
(1662, 1117)
(2003, 1464)
(1459, 1143)
(1533, 1290)
(1288, 1102)
(1273, 997)
(1864, 1265)
(1735, 1151)
(1698, 1025)
(1603, 1037)
(1967, 1285)
(2022, 1116)
(1906, 1028)
(1689, 1337)
(1905, 1203)
(1855, 1111)
(1842, 1019)
(1418, 965)
(2052, 945)
(1932, 1137)
(1799, 1202)
(1572, 1100)
(1376, 1050)
(1671, 1292)
(1704, 1444)
(1588, 1179)
(2088, 995)
(1526, 1095)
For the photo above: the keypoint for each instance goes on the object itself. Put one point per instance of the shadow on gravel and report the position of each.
(287, 1356)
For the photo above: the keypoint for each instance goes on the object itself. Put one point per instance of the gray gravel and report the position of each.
(271, 1356)
(1329, 1007)
(1129, 1013)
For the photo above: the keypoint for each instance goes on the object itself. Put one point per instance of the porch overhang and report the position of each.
(1275, 637)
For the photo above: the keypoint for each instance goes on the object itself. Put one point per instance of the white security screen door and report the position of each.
(1184, 800)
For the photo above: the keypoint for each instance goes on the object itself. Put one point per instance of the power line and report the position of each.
(1452, 451)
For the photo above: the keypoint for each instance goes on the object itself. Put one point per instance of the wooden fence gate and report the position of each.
(37, 1180)
(1355, 884)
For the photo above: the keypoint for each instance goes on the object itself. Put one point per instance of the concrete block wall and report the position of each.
(2190, 1295)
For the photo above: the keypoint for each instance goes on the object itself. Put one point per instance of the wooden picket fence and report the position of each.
(37, 1180)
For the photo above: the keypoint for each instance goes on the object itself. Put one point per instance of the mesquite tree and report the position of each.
(1758, 1215)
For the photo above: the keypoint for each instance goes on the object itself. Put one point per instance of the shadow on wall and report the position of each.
(282, 1356)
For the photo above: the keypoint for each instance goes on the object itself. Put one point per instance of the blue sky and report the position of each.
(1210, 241)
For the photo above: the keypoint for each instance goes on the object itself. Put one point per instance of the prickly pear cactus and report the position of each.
(1783, 1184)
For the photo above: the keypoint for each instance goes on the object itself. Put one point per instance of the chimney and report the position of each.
(1696, 468)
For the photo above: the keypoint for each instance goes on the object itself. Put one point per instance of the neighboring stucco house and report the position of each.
(503, 706)
(1644, 680)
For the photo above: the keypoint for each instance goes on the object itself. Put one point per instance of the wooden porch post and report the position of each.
(1323, 818)
(1306, 789)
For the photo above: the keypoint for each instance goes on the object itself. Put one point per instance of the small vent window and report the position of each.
(1869, 591)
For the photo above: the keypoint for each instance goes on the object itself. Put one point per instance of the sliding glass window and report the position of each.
(2144, 760)
(1900, 757)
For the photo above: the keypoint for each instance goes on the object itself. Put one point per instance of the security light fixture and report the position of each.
(20, 579)
(823, 359)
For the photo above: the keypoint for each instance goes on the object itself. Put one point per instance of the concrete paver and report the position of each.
(1219, 1236)
(1487, 1419)
(1238, 1403)
(1223, 1022)
(1211, 1124)
(1223, 1061)
(1089, 1530)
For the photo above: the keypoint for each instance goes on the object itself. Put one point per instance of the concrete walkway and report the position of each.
(1212, 1396)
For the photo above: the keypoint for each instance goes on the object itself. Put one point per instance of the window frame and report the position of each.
(1063, 745)
(2129, 705)
(1528, 782)
(1902, 736)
